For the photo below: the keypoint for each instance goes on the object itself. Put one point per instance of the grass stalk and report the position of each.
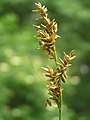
(60, 107)
(47, 36)
(60, 103)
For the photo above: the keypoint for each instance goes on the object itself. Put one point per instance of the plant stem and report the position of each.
(60, 103)
(55, 57)
(60, 106)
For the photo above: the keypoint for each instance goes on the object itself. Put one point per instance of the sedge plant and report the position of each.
(47, 37)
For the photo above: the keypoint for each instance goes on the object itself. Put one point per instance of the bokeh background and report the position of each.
(22, 90)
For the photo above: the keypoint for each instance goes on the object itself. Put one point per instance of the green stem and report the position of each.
(55, 57)
(60, 103)
(60, 107)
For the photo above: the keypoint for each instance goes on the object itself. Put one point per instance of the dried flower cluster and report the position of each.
(65, 64)
(58, 75)
(47, 35)
(46, 32)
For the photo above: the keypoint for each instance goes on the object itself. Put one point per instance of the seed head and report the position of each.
(46, 32)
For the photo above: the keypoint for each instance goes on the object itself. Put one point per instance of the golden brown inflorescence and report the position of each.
(46, 32)
(47, 36)
(55, 77)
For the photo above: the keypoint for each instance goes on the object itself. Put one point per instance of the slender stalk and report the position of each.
(60, 107)
(55, 57)
(60, 103)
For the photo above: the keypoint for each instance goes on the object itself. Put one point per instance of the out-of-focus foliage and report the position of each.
(22, 91)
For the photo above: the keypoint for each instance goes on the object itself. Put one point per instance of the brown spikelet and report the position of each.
(46, 32)
(48, 102)
(65, 64)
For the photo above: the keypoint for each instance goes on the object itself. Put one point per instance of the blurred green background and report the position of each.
(22, 91)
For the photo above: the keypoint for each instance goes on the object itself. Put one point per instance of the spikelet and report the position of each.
(65, 64)
(55, 77)
(46, 32)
